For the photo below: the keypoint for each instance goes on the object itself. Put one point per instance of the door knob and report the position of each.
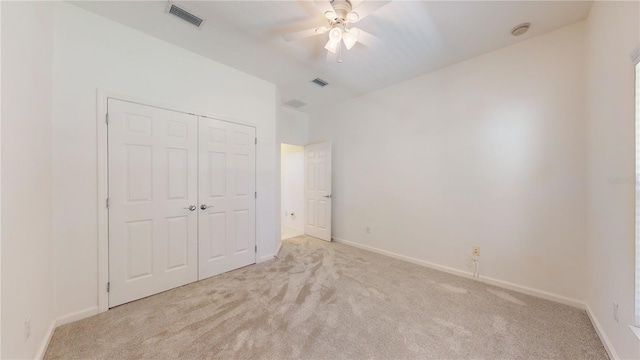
(328, 196)
(205, 206)
(190, 208)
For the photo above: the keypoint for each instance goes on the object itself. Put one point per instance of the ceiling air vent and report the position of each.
(185, 15)
(295, 103)
(319, 82)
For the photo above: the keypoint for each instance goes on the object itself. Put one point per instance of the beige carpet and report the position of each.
(324, 300)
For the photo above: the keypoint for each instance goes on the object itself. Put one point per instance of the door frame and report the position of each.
(102, 98)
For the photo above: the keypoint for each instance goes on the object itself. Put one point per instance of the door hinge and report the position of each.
(256, 141)
(256, 248)
(255, 195)
(108, 203)
(106, 118)
(108, 286)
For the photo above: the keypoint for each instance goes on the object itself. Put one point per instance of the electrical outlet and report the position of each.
(615, 312)
(368, 230)
(475, 250)
(27, 329)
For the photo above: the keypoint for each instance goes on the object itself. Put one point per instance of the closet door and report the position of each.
(152, 200)
(226, 229)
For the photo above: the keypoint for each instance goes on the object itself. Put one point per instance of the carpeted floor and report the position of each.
(323, 300)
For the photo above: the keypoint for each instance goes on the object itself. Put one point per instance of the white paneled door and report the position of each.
(317, 194)
(227, 205)
(153, 158)
(181, 199)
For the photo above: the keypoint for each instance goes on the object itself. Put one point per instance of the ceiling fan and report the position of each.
(340, 16)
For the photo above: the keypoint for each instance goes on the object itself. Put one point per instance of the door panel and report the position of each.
(177, 244)
(217, 222)
(318, 190)
(152, 179)
(242, 229)
(178, 177)
(138, 239)
(226, 229)
(139, 173)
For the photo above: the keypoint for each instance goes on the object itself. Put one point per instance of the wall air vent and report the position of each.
(185, 15)
(295, 103)
(319, 82)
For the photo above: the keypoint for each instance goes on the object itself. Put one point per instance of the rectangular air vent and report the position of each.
(319, 82)
(295, 103)
(185, 15)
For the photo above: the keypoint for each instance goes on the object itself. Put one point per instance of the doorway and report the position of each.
(305, 204)
(292, 191)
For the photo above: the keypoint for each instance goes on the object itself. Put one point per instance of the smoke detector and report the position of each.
(520, 29)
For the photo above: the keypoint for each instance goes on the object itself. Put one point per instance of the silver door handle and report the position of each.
(328, 196)
(205, 206)
(191, 208)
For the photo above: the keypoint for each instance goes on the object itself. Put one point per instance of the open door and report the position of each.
(317, 190)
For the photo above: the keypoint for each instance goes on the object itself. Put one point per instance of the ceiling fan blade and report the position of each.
(323, 6)
(368, 39)
(366, 8)
(304, 33)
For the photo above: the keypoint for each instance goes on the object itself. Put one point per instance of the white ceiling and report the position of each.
(415, 38)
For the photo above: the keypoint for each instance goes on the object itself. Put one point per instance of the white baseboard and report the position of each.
(601, 334)
(62, 321)
(45, 342)
(79, 315)
(300, 230)
(268, 257)
(503, 284)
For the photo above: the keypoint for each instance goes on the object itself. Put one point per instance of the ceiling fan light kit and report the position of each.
(330, 15)
(350, 37)
(331, 46)
(339, 19)
(353, 17)
(335, 34)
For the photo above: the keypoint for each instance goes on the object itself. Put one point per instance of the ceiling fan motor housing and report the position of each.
(341, 8)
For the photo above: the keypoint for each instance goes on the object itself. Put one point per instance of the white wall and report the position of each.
(292, 186)
(487, 152)
(612, 35)
(293, 126)
(94, 53)
(27, 277)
